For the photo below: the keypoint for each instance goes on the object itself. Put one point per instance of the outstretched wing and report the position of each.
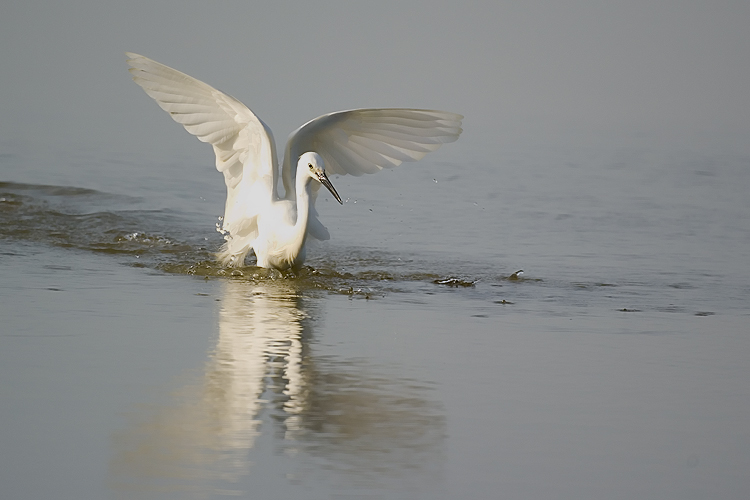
(365, 141)
(243, 144)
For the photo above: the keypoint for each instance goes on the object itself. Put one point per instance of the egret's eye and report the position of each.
(310, 165)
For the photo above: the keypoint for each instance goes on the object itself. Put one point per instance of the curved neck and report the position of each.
(302, 185)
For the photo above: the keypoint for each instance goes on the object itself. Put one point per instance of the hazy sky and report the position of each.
(673, 72)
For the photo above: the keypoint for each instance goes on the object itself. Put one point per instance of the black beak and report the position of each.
(323, 178)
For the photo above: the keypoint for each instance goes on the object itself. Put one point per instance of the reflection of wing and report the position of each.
(243, 144)
(365, 141)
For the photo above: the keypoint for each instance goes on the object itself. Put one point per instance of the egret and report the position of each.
(256, 218)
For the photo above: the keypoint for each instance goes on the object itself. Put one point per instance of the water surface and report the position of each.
(408, 359)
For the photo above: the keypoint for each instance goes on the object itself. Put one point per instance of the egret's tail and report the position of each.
(233, 253)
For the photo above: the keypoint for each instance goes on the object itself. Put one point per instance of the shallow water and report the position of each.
(408, 359)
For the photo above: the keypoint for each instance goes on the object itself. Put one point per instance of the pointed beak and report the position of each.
(323, 178)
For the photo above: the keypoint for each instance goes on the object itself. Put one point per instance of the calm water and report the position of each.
(408, 361)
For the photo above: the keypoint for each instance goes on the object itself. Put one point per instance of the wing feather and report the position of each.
(244, 146)
(365, 141)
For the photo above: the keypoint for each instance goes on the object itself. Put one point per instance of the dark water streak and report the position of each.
(93, 221)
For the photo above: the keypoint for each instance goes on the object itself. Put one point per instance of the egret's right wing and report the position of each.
(243, 144)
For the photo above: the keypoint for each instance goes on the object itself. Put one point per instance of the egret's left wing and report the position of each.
(365, 141)
(243, 144)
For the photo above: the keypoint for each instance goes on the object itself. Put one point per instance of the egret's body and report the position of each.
(283, 226)
(256, 218)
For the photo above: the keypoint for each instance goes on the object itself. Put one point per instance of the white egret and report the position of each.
(346, 142)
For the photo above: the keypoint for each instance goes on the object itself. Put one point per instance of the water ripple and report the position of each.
(88, 220)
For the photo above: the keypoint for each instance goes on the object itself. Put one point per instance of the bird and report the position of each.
(256, 218)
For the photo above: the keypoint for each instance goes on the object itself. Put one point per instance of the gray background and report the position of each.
(669, 73)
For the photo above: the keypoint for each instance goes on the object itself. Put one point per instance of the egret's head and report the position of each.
(312, 163)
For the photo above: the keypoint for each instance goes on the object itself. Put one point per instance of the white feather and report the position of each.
(352, 142)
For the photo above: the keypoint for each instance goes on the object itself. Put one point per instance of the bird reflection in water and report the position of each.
(326, 414)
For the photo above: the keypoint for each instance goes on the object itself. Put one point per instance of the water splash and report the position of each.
(88, 220)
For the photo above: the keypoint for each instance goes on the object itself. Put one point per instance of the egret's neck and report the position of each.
(303, 205)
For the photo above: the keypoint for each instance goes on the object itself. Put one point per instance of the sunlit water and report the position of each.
(408, 360)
